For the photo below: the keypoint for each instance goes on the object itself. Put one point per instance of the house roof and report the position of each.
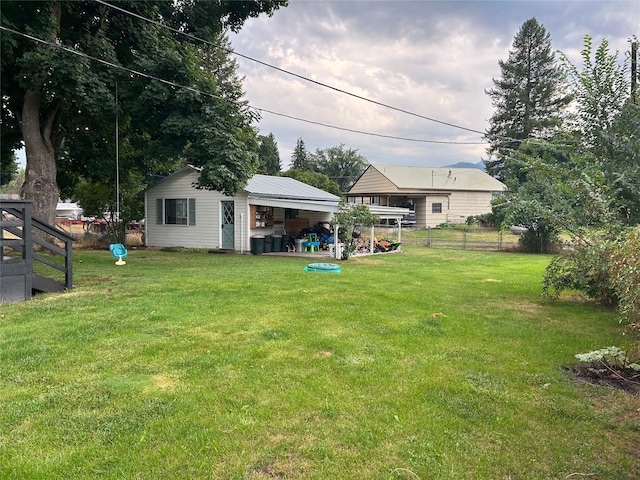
(285, 187)
(396, 178)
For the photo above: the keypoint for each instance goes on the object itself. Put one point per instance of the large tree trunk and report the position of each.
(40, 183)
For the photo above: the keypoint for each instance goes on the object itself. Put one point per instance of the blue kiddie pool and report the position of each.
(322, 267)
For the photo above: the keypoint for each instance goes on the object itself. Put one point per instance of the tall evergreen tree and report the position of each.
(300, 157)
(268, 155)
(529, 99)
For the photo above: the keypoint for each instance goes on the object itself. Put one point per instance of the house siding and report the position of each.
(372, 181)
(456, 207)
(466, 204)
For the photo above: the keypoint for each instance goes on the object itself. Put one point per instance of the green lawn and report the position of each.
(432, 364)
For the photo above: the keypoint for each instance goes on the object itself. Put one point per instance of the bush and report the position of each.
(608, 271)
(625, 277)
(486, 220)
(584, 269)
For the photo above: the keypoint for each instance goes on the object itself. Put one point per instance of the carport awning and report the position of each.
(296, 204)
(388, 213)
(383, 212)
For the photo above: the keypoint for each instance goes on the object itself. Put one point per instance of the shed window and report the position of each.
(436, 208)
(179, 211)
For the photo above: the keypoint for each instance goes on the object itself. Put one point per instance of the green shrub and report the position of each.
(625, 277)
(585, 269)
(486, 220)
(608, 271)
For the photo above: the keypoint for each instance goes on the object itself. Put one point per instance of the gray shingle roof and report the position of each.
(440, 178)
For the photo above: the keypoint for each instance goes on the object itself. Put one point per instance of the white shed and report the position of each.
(178, 214)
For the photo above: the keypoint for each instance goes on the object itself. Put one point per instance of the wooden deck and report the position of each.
(25, 242)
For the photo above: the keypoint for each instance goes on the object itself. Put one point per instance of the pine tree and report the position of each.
(529, 99)
(300, 156)
(268, 155)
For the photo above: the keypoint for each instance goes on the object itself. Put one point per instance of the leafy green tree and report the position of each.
(537, 198)
(63, 104)
(13, 187)
(529, 99)
(349, 218)
(622, 147)
(318, 180)
(342, 165)
(578, 181)
(8, 167)
(300, 157)
(268, 155)
(601, 89)
(606, 127)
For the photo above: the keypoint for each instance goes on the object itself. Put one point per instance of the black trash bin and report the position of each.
(286, 240)
(257, 244)
(276, 243)
(268, 241)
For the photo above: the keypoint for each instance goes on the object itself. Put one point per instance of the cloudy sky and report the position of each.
(433, 59)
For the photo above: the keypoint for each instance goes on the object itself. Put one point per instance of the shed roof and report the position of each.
(285, 187)
(266, 186)
(405, 178)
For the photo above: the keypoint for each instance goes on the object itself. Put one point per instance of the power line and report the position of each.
(201, 92)
(368, 133)
(287, 72)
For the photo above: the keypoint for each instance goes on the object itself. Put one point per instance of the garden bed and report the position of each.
(599, 373)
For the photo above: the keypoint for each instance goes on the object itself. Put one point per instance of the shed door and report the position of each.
(228, 225)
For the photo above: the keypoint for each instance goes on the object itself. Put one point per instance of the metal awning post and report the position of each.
(371, 242)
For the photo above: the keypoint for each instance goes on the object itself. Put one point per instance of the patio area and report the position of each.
(321, 254)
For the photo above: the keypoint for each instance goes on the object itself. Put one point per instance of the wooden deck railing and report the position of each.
(26, 242)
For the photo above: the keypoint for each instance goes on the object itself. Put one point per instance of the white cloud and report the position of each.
(432, 58)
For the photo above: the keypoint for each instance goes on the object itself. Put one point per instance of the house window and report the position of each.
(177, 211)
(374, 201)
(436, 208)
(290, 213)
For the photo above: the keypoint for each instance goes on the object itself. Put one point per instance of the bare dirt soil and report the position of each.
(600, 373)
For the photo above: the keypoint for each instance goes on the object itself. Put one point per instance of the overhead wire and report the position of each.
(198, 91)
(448, 142)
(287, 72)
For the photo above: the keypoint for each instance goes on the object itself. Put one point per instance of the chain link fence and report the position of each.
(461, 238)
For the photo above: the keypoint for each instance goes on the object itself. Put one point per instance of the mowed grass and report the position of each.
(424, 365)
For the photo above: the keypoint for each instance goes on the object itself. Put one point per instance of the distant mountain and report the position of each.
(479, 165)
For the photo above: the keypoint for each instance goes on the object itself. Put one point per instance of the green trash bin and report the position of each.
(257, 244)
(276, 243)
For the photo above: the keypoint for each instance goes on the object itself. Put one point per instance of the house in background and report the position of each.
(436, 194)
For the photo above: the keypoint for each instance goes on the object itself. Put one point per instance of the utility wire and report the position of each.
(368, 133)
(201, 92)
(287, 72)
